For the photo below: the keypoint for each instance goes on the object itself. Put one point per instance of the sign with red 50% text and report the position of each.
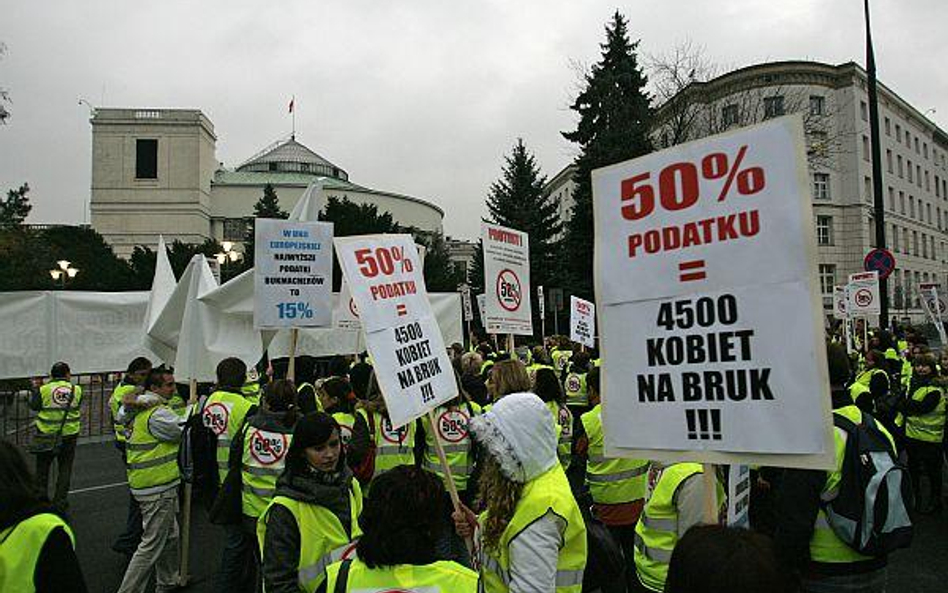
(705, 274)
(384, 275)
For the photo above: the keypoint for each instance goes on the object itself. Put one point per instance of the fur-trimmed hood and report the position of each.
(518, 432)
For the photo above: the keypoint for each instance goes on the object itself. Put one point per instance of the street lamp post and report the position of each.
(63, 273)
(229, 254)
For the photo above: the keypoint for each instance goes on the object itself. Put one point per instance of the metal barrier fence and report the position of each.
(17, 419)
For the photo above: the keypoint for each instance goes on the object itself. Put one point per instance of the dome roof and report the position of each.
(289, 156)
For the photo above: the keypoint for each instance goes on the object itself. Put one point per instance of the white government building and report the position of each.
(833, 102)
(154, 171)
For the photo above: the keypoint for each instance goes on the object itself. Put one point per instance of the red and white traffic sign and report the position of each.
(507, 280)
(384, 275)
(705, 270)
(879, 260)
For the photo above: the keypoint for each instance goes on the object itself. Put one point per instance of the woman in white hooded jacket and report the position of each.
(532, 537)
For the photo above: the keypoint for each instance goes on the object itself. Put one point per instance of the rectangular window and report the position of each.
(864, 111)
(898, 165)
(146, 158)
(917, 151)
(918, 175)
(902, 203)
(937, 187)
(911, 174)
(891, 199)
(729, 115)
(928, 183)
(938, 217)
(773, 106)
(928, 213)
(895, 238)
(865, 148)
(888, 159)
(915, 243)
(924, 246)
(908, 139)
(827, 279)
(911, 206)
(824, 230)
(888, 127)
(867, 187)
(925, 149)
(817, 105)
(821, 186)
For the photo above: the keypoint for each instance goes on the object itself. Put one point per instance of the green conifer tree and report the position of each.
(614, 124)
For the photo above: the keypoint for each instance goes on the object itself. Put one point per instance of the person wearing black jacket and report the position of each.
(798, 508)
(25, 519)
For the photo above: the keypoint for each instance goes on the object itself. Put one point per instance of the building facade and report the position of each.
(833, 102)
(154, 171)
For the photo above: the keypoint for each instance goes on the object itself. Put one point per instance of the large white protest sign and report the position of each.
(582, 321)
(507, 280)
(292, 274)
(935, 306)
(384, 274)
(863, 294)
(705, 272)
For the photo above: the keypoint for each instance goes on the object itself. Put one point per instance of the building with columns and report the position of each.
(155, 171)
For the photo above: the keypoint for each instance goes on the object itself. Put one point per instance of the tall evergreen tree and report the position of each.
(614, 123)
(268, 206)
(350, 218)
(441, 275)
(517, 201)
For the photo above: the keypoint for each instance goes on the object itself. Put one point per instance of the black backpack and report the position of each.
(197, 457)
(870, 511)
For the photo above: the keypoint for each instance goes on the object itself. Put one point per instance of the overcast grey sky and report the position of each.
(422, 97)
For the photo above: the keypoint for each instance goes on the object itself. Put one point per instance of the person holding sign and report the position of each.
(337, 400)
(374, 435)
(924, 413)
(533, 537)
(313, 517)
(398, 551)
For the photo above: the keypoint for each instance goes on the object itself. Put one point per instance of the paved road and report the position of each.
(100, 499)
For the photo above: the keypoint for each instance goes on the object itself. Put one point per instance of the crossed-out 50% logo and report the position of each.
(508, 290)
(268, 447)
(216, 416)
(863, 297)
(679, 189)
(60, 396)
(452, 426)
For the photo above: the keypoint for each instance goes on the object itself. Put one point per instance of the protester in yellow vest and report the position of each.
(675, 502)
(533, 536)
(313, 518)
(402, 526)
(264, 449)
(152, 440)
(337, 399)
(452, 420)
(616, 485)
(548, 388)
(871, 385)
(393, 446)
(805, 543)
(224, 413)
(251, 386)
(924, 411)
(36, 545)
(58, 404)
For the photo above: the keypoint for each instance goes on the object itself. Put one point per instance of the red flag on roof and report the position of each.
(293, 100)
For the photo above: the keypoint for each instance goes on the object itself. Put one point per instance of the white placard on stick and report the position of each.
(507, 280)
(346, 314)
(839, 302)
(582, 321)
(384, 275)
(708, 251)
(480, 309)
(738, 496)
(863, 294)
(466, 302)
(935, 306)
(292, 274)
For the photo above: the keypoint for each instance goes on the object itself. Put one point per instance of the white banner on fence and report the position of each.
(722, 229)
(384, 273)
(507, 280)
